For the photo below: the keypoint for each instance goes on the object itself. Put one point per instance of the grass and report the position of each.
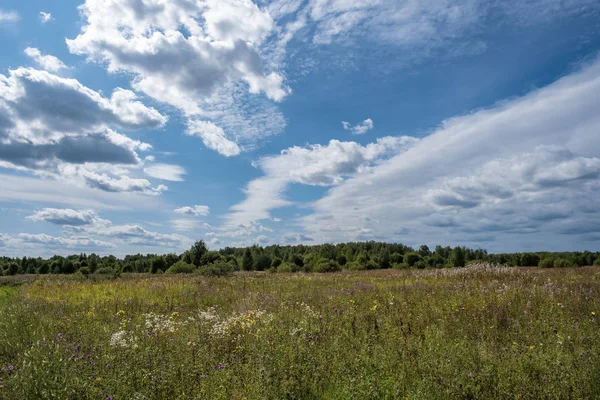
(470, 333)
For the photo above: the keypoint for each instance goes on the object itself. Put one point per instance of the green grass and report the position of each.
(463, 333)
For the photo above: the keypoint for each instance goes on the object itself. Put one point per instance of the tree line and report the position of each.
(299, 258)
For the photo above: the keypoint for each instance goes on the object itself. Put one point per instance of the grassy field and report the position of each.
(478, 332)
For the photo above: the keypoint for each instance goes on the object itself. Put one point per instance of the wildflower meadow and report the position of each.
(479, 332)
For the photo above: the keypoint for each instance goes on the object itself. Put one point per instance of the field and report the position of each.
(477, 332)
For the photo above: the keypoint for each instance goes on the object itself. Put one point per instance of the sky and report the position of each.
(141, 126)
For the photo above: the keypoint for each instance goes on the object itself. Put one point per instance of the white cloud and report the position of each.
(68, 217)
(361, 128)
(8, 16)
(46, 62)
(489, 171)
(315, 165)
(72, 243)
(45, 17)
(195, 210)
(166, 172)
(185, 224)
(196, 55)
(58, 128)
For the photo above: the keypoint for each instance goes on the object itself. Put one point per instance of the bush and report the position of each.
(412, 258)
(105, 271)
(563, 263)
(597, 262)
(181, 267)
(356, 266)
(287, 268)
(325, 265)
(85, 271)
(276, 262)
(400, 266)
(220, 268)
(546, 263)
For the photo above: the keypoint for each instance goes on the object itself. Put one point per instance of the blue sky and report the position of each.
(133, 126)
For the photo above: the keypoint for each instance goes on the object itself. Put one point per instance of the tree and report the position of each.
(158, 263)
(457, 257)
(412, 258)
(262, 262)
(247, 261)
(13, 268)
(197, 251)
(424, 251)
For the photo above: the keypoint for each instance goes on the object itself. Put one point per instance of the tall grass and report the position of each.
(478, 332)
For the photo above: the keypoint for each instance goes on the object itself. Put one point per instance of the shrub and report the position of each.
(181, 267)
(547, 262)
(356, 266)
(85, 271)
(262, 262)
(597, 262)
(412, 258)
(276, 262)
(325, 265)
(563, 263)
(400, 266)
(220, 268)
(158, 264)
(286, 268)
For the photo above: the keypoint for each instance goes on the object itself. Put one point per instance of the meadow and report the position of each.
(479, 332)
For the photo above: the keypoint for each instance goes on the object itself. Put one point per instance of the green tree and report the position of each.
(247, 261)
(412, 258)
(457, 257)
(197, 251)
(158, 263)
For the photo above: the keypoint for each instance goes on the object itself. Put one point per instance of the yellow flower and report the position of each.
(593, 313)
(532, 347)
(120, 312)
(175, 314)
(89, 314)
(374, 307)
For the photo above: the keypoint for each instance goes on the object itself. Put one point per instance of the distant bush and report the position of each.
(412, 258)
(356, 266)
(597, 262)
(276, 262)
(325, 265)
(563, 263)
(181, 267)
(546, 263)
(85, 271)
(287, 268)
(400, 265)
(220, 268)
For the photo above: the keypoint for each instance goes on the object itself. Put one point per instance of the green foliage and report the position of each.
(547, 262)
(597, 262)
(181, 267)
(325, 265)
(105, 271)
(196, 252)
(276, 262)
(458, 257)
(13, 268)
(287, 268)
(563, 263)
(262, 262)
(220, 268)
(247, 261)
(158, 264)
(85, 271)
(412, 258)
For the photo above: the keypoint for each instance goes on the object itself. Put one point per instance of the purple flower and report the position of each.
(220, 367)
(108, 365)
(470, 375)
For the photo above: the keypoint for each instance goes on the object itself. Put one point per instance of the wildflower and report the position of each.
(470, 375)
(175, 314)
(123, 339)
(120, 313)
(531, 347)
(220, 367)
(89, 314)
(593, 313)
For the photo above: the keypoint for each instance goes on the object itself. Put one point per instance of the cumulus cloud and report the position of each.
(359, 129)
(195, 210)
(58, 242)
(45, 17)
(190, 55)
(68, 217)
(512, 168)
(315, 165)
(57, 127)
(166, 172)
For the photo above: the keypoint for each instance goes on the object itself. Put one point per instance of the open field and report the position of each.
(477, 332)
